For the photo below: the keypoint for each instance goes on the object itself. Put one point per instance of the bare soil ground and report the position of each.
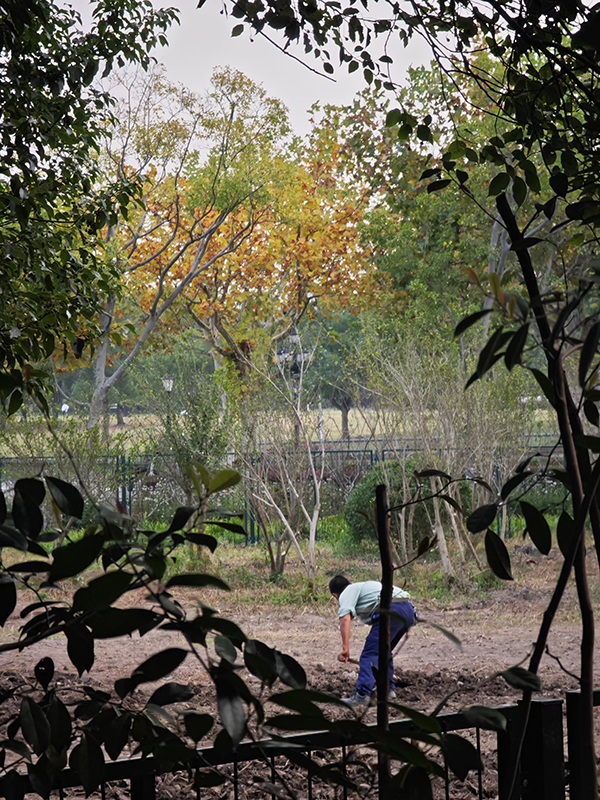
(496, 631)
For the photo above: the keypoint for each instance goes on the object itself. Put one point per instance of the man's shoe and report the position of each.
(392, 695)
(357, 700)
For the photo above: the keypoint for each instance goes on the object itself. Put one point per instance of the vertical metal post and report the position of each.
(480, 768)
(574, 745)
(383, 661)
(310, 786)
(143, 787)
(541, 769)
(542, 760)
(344, 772)
(235, 780)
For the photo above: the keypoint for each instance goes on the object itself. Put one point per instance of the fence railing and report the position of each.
(541, 770)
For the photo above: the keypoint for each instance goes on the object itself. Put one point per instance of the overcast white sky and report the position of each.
(203, 41)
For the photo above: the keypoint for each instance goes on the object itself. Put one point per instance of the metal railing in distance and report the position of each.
(540, 774)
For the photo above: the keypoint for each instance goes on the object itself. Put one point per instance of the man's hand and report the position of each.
(344, 656)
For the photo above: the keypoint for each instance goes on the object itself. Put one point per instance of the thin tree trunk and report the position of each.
(450, 512)
(387, 575)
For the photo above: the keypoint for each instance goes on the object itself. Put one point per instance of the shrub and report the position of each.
(361, 500)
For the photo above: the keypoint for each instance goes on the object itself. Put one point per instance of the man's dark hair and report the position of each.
(338, 584)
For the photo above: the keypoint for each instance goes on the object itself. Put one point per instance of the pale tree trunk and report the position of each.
(441, 539)
(464, 532)
(101, 386)
(450, 512)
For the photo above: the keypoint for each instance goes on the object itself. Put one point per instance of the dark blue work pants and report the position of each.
(402, 617)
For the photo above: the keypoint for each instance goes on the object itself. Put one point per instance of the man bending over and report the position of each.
(362, 600)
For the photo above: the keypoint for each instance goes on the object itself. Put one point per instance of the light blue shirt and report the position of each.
(363, 599)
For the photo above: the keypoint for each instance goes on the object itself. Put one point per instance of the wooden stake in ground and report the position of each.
(387, 582)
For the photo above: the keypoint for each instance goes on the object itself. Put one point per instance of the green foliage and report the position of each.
(52, 204)
(402, 486)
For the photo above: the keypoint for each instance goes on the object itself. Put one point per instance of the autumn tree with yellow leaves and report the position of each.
(242, 227)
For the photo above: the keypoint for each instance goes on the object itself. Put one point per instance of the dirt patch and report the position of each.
(495, 633)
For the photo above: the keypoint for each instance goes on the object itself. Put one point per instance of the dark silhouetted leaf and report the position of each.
(8, 597)
(512, 483)
(512, 356)
(35, 726)
(498, 184)
(537, 527)
(228, 628)
(544, 384)
(13, 784)
(39, 780)
(36, 549)
(490, 719)
(559, 184)
(223, 479)
(202, 540)
(88, 762)
(171, 693)
(417, 785)
(118, 735)
(482, 518)
(523, 679)
(231, 707)
(424, 545)
(448, 634)
(197, 580)
(290, 671)
(451, 502)
(73, 558)
(197, 725)
(181, 517)
(232, 527)
(102, 592)
(123, 686)
(66, 496)
(564, 533)
(44, 671)
(461, 755)
(80, 647)
(591, 413)
(260, 660)
(224, 649)
(497, 556)
(60, 723)
(15, 746)
(591, 443)
(122, 621)
(433, 473)
(466, 323)
(588, 352)
(159, 665)
(435, 186)
(519, 190)
(30, 567)
(32, 488)
(27, 516)
(9, 537)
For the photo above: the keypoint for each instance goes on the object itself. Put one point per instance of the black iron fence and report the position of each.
(541, 772)
(154, 484)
